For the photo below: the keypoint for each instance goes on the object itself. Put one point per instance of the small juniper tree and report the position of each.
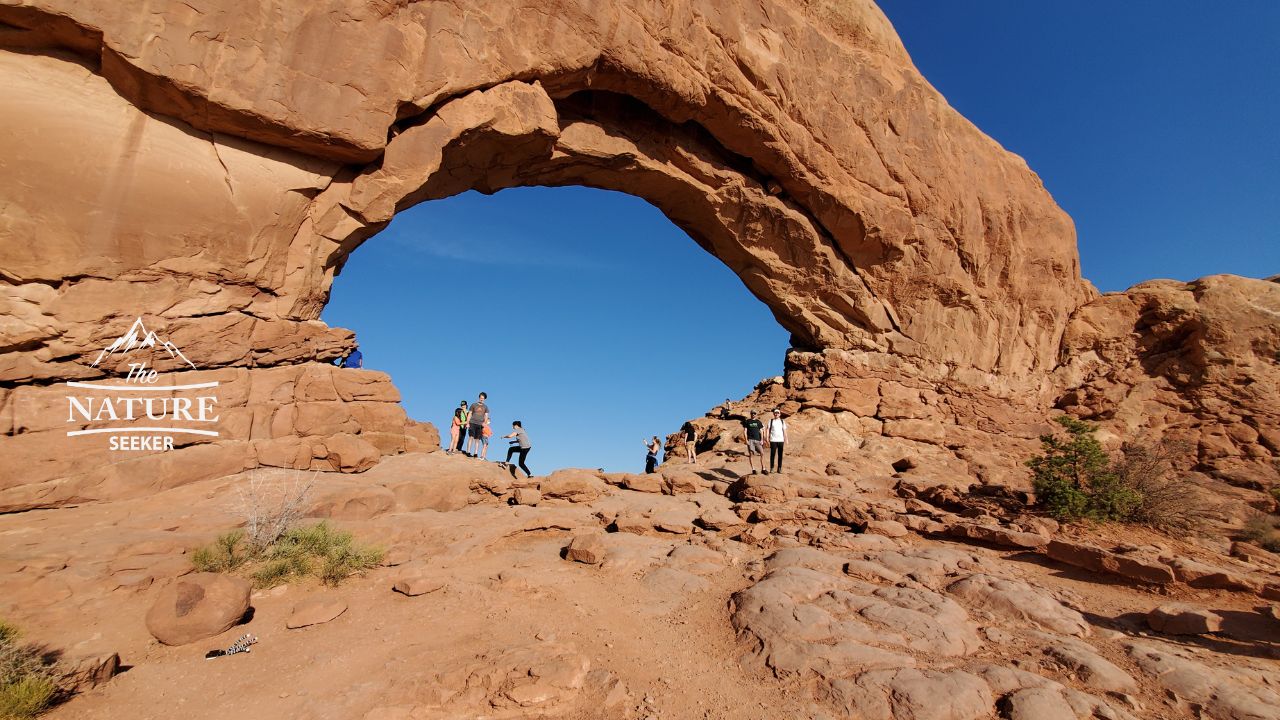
(1067, 468)
(1074, 479)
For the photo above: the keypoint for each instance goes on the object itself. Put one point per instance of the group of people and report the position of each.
(759, 435)
(471, 427)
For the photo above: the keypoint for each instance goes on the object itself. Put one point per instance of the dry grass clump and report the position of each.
(1264, 531)
(1171, 501)
(272, 501)
(27, 684)
(312, 551)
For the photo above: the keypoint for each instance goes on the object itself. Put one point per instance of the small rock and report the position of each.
(587, 548)
(887, 528)
(418, 582)
(316, 610)
(527, 496)
(1177, 619)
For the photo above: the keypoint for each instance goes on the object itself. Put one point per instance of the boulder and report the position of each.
(1178, 619)
(1096, 559)
(646, 482)
(85, 673)
(526, 496)
(197, 606)
(316, 610)
(761, 489)
(996, 535)
(573, 484)
(587, 548)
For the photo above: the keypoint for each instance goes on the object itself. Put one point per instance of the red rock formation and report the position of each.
(211, 167)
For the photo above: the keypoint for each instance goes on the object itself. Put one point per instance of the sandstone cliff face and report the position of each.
(1197, 362)
(211, 165)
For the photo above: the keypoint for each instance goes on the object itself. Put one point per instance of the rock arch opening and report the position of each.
(584, 313)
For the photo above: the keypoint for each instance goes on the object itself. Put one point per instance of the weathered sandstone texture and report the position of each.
(209, 166)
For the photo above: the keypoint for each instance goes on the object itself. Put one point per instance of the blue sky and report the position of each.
(1152, 122)
(589, 316)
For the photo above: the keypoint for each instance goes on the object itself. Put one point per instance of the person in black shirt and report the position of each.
(755, 441)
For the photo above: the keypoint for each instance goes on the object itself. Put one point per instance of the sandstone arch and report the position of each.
(213, 165)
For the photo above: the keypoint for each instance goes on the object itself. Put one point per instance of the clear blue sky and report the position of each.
(1154, 123)
(593, 319)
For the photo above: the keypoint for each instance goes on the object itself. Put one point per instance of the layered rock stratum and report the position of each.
(210, 166)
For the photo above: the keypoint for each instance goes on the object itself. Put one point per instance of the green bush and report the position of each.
(1075, 479)
(316, 550)
(224, 555)
(27, 685)
(1072, 477)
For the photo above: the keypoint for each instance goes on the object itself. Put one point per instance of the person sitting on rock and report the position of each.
(755, 445)
(353, 359)
(520, 444)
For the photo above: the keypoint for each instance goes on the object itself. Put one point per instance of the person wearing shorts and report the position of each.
(475, 425)
(690, 434)
(755, 442)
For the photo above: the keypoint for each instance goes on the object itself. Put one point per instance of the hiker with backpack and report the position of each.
(519, 444)
(475, 425)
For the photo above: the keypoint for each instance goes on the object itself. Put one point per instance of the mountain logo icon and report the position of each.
(139, 337)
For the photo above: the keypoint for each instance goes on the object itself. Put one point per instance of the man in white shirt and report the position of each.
(777, 441)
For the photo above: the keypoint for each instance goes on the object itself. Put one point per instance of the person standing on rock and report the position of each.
(520, 444)
(755, 445)
(777, 441)
(690, 434)
(653, 446)
(458, 428)
(475, 425)
(484, 437)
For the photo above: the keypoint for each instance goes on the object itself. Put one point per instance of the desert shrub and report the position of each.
(27, 685)
(1170, 500)
(223, 555)
(1075, 479)
(1069, 469)
(1264, 531)
(311, 551)
(1275, 493)
(272, 503)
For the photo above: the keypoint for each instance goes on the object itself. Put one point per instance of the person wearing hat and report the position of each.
(755, 444)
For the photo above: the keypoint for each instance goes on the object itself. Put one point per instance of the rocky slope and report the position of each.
(700, 592)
